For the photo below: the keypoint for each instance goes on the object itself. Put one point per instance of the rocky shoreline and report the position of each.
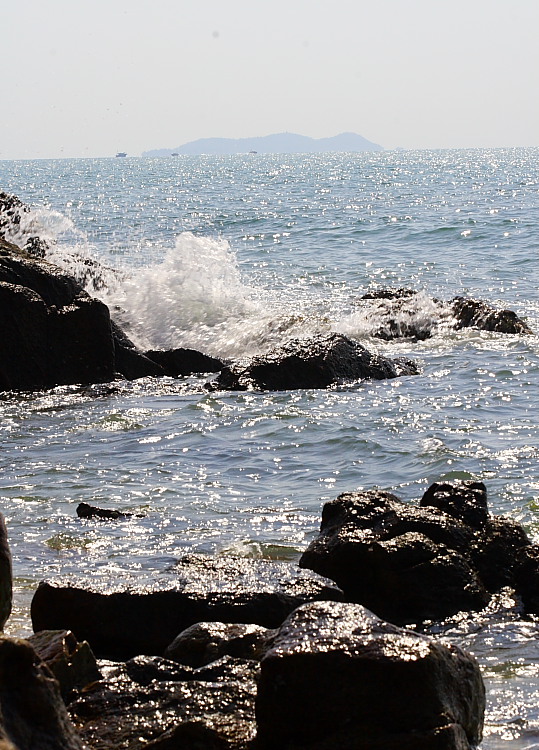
(253, 654)
(224, 652)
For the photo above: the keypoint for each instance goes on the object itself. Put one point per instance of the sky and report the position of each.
(88, 79)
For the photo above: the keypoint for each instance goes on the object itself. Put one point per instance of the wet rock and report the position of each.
(407, 314)
(6, 575)
(176, 362)
(32, 713)
(53, 332)
(406, 564)
(14, 228)
(84, 510)
(339, 677)
(526, 576)
(410, 564)
(311, 363)
(465, 501)
(206, 642)
(139, 615)
(167, 713)
(472, 313)
(72, 663)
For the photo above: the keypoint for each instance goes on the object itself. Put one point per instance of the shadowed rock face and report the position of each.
(32, 713)
(144, 617)
(311, 363)
(205, 642)
(339, 677)
(6, 576)
(409, 563)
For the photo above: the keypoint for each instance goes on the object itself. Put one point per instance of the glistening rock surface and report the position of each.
(339, 677)
(143, 616)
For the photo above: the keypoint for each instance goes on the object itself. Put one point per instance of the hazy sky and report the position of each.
(87, 78)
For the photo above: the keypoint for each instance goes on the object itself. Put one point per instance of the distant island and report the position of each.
(279, 143)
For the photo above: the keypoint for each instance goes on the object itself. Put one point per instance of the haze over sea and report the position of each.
(231, 255)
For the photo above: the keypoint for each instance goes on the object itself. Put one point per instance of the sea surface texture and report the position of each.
(233, 255)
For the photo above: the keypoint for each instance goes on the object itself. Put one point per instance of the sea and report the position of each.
(233, 255)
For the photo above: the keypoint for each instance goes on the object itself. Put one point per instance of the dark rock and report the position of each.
(526, 575)
(466, 501)
(205, 642)
(84, 510)
(168, 714)
(13, 228)
(130, 361)
(147, 669)
(53, 332)
(496, 550)
(477, 314)
(143, 616)
(338, 677)
(6, 575)
(311, 363)
(399, 293)
(72, 663)
(176, 362)
(32, 713)
(406, 564)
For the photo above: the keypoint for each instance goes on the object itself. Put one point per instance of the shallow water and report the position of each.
(231, 255)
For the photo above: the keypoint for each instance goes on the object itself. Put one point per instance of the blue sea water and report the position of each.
(231, 255)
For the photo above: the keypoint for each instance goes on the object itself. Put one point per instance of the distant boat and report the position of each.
(121, 153)
(174, 154)
(253, 152)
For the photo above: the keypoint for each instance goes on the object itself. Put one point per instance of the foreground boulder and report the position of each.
(338, 677)
(32, 713)
(6, 575)
(409, 564)
(140, 616)
(311, 363)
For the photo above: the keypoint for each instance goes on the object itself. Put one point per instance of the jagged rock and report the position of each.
(12, 211)
(311, 363)
(405, 313)
(526, 576)
(205, 711)
(32, 713)
(406, 564)
(474, 313)
(176, 362)
(84, 510)
(72, 663)
(6, 575)
(410, 564)
(205, 642)
(339, 677)
(143, 616)
(53, 332)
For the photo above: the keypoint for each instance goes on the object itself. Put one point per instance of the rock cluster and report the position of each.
(409, 564)
(257, 655)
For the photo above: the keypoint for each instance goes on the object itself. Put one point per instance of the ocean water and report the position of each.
(232, 255)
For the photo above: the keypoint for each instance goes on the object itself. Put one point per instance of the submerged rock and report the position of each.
(32, 713)
(6, 575)
(137, 616)
(339, 677)
(311, 363)
(84, 510)
(409, 564)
